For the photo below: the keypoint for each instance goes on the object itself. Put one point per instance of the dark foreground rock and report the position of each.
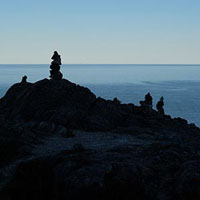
(58, 141)
(160, 171)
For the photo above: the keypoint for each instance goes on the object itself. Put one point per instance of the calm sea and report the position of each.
(179, 84)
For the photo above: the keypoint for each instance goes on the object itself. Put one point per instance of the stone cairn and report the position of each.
(160, 106)
(24, 79)
(55, 73)
(147, 104)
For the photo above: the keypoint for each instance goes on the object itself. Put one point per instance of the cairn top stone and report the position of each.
(56, 58)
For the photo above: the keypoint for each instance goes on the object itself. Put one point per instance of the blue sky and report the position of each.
(100, 31)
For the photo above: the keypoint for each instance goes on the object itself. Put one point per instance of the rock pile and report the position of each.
(160, 106)
(55, 73)
(147, 104)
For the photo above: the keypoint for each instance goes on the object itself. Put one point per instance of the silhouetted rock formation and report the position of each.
(55, 73)
(147, 104)
(160, 105)
(137, 154)
(24, 79)
(116, 100)
(75, 107)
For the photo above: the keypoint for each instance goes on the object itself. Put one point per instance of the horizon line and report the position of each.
(93, 64)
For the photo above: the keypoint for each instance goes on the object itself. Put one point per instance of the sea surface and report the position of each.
(179, 84)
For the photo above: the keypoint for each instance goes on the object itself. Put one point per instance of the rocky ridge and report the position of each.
(59, 141)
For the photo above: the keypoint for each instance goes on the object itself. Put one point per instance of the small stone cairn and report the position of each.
(55, 73)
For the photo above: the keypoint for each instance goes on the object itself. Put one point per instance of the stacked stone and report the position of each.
(160, 106)
(147, 104)
(55, 73)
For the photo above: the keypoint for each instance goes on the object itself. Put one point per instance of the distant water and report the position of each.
(179, 84)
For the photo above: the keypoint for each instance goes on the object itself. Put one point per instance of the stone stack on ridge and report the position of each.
(55, 73)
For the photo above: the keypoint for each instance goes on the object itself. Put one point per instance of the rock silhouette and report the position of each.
(147, 104)
(160, 105)
(24, 79)
(55, 73)
(63, 142)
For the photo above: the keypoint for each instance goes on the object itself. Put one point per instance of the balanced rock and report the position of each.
(55, 73)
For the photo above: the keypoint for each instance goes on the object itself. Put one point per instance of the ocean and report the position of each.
(178, 84)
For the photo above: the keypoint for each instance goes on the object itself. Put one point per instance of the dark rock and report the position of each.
(78, 148)
(24, 79)
(147, 104)
(61, 130)
(160, 106)
(75, 107)
(74, 176)
(139, 155)
(46, 127)
(116, 100)
(188, 182)
(15, 141)
(55, 73)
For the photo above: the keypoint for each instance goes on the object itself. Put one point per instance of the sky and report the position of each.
(100, 31)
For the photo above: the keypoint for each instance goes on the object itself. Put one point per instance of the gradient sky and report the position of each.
(100, 31)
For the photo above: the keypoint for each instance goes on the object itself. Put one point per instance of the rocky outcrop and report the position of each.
(75, 107)
(121, 151)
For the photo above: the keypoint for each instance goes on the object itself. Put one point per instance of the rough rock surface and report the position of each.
(58, 141)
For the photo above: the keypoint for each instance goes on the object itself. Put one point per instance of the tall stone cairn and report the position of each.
(55, 73)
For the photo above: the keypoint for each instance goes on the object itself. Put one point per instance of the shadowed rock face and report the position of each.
(137, 155)
(65, 103)
(160, 171)
(60, 101)
(86, 176)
